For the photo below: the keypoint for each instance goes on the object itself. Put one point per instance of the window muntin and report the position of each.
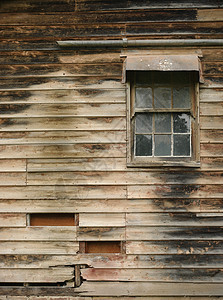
(162, 116)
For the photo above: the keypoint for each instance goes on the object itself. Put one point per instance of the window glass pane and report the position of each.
(181, 123)
(143, 77)
(162, 145)
(181, 97)
(163, 122)
(143, 123)
(181, 145)
(162, 97)
(143, 145)
(144, 97)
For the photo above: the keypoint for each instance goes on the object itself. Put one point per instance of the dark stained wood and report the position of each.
(102, 247)
(108, 5)
(60, 70)
(47, 219)
(174, 29)
(100, 17)
(37, 6)
(63, 57)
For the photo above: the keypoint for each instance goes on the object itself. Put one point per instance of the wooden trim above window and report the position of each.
(181, 62)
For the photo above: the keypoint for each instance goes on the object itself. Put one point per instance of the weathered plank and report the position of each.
(55, 233)
(175, 28)
(60, 70)
(211, 68)
(63, 192)
(53, 83)
(12, 165)
(63, 123)
(101, 234)
(64, 96)
(173, 219)
(59, 137)
(210, 14)
(113, 261)
(78, 164)
(211, 136)
(101, 220)
(63, 57)
(176, 191)
(174, 247)
(37, 275)
(148, 289)
(12, 220)
(209, 163)
(65, 205)
(212, 108)
(62, 150)
(212, 150)
(174, 233)
(38, 248)
(108, 17)
(12, 178)
(61, 110)
(133, 4)
(122, 178)
(61, 31)
(36, 6)
(62, 205)
(211, 95)
(153, 275)
(103, 164)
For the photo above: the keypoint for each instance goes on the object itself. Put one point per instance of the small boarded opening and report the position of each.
(102, 247)
(53, 219)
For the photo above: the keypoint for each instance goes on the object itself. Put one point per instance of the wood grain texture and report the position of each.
(148, 289)
(84, 95)
(39, 248)
(133, 4)
(174, 233)
(153, 275)
(122, 178)
(12, 220)
(102, 220)
(174, 247)
(113, 261)
(61, 110)
(35, 275)
(173, 219)
(56, 233)
(63, 192)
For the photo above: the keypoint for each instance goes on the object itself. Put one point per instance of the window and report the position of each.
(162, 118)
(53, 219)
(102, 247)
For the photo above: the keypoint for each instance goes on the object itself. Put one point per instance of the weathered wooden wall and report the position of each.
(63, 150)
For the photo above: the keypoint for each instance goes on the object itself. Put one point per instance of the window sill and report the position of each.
(153, 164)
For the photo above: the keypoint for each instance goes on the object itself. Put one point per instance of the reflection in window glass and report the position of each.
(162, 145)
(162, 97)
(162, 122)
(181, 123)
(143, 145)
(143, 123)
(181, 145)
(144, 98)
(181, 97)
